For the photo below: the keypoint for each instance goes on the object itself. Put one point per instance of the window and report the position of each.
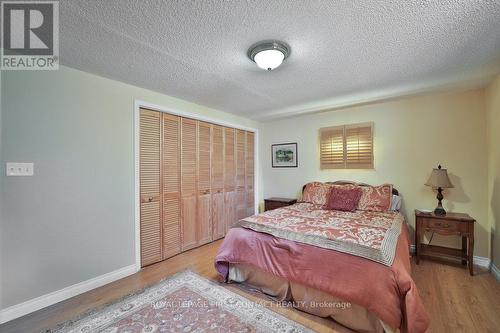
(346, 146)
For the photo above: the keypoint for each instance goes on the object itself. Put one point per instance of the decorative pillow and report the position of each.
(396, 203)
(376, 198)
(316, 193)
(345, 198)
(344, 185)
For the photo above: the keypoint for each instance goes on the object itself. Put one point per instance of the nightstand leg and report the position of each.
(464, 250)
(471, 255)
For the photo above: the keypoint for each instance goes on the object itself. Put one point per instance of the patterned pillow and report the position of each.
(344, 198)
(376, 198)
(316, 193)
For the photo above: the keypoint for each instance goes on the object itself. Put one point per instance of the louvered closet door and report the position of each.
(241, 204)
(217, 184)
(149, 174)
(171, 185)
(250, 174)
(204, 183)
(188, 183)
(229, 178)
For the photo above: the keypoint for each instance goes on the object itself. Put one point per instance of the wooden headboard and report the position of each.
(347, 182)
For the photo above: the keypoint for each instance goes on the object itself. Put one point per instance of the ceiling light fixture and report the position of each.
(269, 55)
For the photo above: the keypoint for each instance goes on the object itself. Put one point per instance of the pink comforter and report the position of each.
(371, 235)
(387, 291)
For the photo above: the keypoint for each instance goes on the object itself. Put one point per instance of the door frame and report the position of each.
(138, 104)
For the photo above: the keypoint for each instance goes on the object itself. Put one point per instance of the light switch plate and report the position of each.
(19, 169)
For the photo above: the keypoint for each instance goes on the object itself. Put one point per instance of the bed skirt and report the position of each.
(316, 302)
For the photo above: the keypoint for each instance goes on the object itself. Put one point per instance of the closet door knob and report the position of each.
(150, 199)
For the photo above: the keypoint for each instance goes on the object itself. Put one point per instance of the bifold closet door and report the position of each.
(217, 184)
(149, 179)
(171, 185)
(204, 220)
(250, 178)
(241, 203)
(229, 178)
(196, 181)
(189, 189)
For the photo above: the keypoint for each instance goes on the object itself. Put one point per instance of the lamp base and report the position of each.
(439, 211)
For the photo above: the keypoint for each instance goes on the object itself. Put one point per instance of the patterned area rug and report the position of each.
(185, 302)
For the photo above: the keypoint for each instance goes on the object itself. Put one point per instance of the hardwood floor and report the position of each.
(455, 301)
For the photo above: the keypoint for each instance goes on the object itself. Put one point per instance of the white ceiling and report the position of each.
(343, 52)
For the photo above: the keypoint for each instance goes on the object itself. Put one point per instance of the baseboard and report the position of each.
(482, 262)
(495, 271)
(21, 309)
(479, 261)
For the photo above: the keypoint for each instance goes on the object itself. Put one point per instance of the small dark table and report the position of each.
(273, 203)
(450, 224)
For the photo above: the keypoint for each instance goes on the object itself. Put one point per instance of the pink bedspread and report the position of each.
(387, 291)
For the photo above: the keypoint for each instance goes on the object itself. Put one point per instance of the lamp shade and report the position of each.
(439, 178)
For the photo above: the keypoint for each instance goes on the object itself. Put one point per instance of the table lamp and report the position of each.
(439, 179)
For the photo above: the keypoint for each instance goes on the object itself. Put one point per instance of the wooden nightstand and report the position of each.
(273, 203)
(450, 224)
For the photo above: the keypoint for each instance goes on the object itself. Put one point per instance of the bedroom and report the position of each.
(421, 78)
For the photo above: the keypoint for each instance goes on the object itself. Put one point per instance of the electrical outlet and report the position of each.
(19, 169)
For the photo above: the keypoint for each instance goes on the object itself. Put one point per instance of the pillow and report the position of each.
(344, 198)
(396, 203)
(316, 193)
(376, 198)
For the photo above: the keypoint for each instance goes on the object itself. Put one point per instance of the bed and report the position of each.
(352, 266)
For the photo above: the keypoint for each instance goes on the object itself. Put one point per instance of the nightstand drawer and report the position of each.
(270, 205)
(444, 226)
(274, 203)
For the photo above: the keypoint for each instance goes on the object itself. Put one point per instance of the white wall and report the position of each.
(74, 220)
(411, 137)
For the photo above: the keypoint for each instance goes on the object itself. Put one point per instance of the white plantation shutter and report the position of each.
(347, 147)
(359, 146)
(332, 147)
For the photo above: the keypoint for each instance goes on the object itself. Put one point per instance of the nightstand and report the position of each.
(273, 203)
(450, 224)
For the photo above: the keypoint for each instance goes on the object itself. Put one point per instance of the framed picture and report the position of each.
(284, 155)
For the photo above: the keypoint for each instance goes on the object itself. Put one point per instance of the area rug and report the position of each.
(185, 302)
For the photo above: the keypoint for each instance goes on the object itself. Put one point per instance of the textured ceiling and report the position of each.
(342, 51)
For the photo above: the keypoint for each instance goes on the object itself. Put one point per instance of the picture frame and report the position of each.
(284, 155)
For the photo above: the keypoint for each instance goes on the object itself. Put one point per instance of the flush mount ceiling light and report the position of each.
(269, 55)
